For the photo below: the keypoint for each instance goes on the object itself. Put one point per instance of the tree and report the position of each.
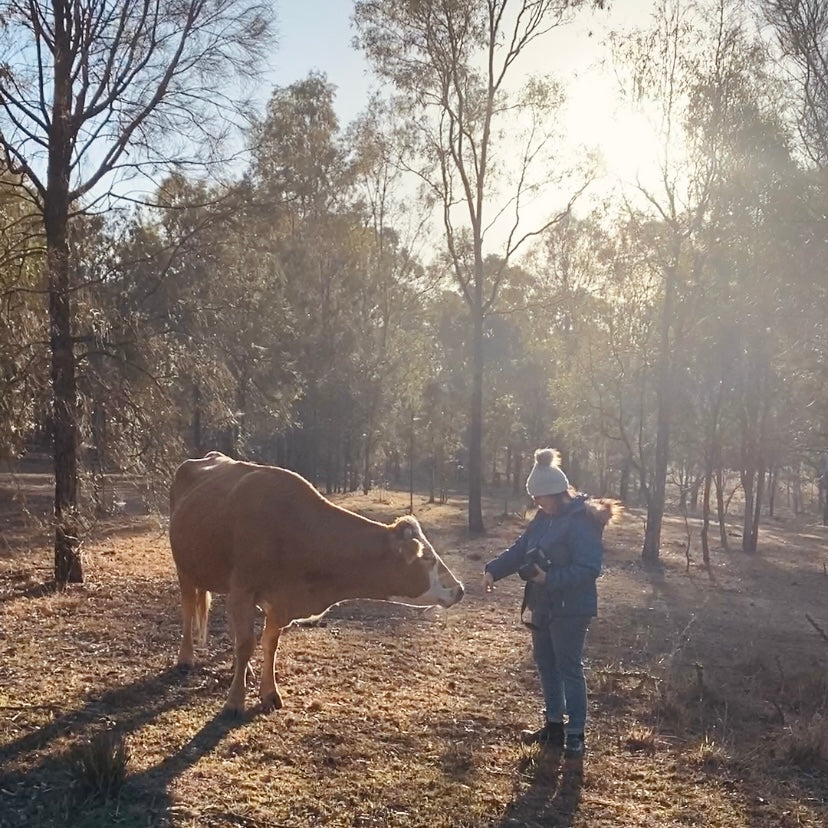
(801, 29)
(22, 327)
(452, 64)
(94, 90)
(688, 67)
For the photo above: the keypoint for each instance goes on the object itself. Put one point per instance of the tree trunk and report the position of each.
(748, 483)
(517, 472)
(476, 425)
(708, 477)
(712, 462)
(753, 540)
(97, 459)
(825, 500)
(796, 490)
(695, 489)
(68, 566)
(720, 508)
(624, 483)
(771, 490)
(197, 430)
(366, 464)
(656, 501)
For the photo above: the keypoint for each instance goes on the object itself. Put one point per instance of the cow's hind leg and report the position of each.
(242, 610)
(189, 601)
(268, 688)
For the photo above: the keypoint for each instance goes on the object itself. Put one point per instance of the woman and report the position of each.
(559, 556)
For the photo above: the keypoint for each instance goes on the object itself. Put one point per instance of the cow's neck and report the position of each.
(361, 569)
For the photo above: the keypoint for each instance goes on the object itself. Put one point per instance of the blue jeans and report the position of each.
(558, 649)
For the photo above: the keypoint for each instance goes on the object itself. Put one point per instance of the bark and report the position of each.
(748, 482)
(824, 492)
(796, 490)
(366, 464)
(720, 508)
(68, 566)
(753, 539)
(695, 488)
(708, 477)
(771, 491)
(476, 425)
(98, 460)
(624, 484)
(197, 432)
(712, 462)
(656, 500)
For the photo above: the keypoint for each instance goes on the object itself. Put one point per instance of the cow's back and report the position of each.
(201, 518)
(232, 517)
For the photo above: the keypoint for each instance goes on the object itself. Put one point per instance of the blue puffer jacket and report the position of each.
(571, 542)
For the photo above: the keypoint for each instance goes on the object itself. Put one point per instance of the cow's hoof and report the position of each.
(185, 666)
(272, 701)
(232, 711)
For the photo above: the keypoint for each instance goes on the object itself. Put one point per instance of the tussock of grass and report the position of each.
(99, 767)
(805, 743)
(641, 740)
(709, 753)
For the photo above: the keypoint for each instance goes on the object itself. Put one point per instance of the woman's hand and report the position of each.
(540, 576)
(488, 582)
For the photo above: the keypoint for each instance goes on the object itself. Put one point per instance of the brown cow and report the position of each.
(265, 536)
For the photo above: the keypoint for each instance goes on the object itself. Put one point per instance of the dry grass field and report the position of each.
(709, 694)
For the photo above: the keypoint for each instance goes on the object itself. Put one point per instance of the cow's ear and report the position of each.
(404, 531)
(411, 550)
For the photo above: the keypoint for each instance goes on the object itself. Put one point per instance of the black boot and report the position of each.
(574, 746)
(550, 735)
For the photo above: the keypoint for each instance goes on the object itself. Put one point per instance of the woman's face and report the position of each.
(548, 503)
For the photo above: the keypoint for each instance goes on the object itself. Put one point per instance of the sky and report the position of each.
(317, 35)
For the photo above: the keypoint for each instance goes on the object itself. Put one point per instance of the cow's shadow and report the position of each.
(552, 795)
(123, 710)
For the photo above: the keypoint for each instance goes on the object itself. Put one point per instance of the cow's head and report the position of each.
(424, 577)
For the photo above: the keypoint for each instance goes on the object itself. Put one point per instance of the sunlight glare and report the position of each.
(631, 149)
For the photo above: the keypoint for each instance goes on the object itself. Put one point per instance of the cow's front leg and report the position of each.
(241, 608)
(268, 689)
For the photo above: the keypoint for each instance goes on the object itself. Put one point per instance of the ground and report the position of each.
(708, 691)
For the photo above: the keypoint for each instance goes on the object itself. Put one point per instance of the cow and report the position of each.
(267, 538)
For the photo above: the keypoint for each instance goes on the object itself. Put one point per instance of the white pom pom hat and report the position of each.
(546, 477)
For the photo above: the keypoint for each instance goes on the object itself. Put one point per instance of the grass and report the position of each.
(707, 697)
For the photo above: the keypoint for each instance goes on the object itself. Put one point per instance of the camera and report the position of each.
(534, 557)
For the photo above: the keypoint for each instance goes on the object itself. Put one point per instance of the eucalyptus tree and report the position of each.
(482, 142)
(800, 28)
(203, 298)
(94, 89)
(397, 287)
(687, 69)
(328, 196)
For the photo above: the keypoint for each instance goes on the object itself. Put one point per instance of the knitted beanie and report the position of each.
(546, 477)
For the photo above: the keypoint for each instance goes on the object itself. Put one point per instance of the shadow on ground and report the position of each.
(36, 784)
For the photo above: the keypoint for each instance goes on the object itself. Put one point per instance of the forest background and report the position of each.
(425, 295)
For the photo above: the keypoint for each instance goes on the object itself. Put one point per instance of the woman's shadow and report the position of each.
(553, 792)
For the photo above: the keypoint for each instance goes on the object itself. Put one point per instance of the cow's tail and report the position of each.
(201, 611)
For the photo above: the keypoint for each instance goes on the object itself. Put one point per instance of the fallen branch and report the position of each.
(817, 627)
